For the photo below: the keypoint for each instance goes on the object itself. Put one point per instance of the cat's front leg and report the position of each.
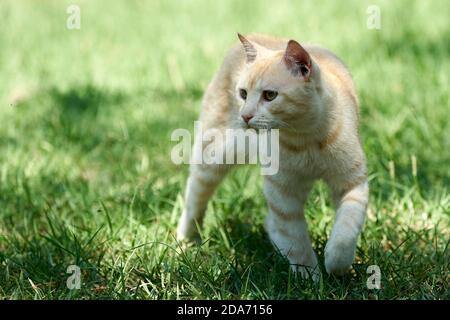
(286, 224)
(350, 216)
(202, 182)
(204, 178)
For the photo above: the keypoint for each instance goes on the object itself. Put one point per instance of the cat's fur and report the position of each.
(316, 111)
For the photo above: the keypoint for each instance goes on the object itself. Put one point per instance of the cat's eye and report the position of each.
(243, 93)
(269, 95)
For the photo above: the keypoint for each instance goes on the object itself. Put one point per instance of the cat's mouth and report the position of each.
(259, 125)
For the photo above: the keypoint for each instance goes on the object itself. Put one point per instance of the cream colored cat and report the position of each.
(308, 94)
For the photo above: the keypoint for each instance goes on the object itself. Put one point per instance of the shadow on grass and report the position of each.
(44, 259)
(256, 269)
(85, 101)
(87, 117)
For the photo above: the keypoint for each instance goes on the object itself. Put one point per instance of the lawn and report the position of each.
(85, 172)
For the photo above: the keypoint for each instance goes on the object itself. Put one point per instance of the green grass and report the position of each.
(85, 171)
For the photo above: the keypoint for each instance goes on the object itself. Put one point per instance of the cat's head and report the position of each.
(278, 89)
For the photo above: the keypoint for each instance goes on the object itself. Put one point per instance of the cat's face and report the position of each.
(277, 89)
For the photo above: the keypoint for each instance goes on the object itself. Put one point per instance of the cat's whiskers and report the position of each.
(284, 124)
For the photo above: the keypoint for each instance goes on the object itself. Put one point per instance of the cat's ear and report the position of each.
(250, 49)
(297, 59)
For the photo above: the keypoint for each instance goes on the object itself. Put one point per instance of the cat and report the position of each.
(309, 95)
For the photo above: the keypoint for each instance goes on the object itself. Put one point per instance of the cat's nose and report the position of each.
(247, 117)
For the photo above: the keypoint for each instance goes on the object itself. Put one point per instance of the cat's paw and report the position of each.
(339, 255)
(312, 273)
(189, 238)
(308, 268)
(187, 233)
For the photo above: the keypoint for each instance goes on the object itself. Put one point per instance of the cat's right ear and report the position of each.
(250, 50)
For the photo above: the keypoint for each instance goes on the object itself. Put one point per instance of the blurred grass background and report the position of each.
(85, 171)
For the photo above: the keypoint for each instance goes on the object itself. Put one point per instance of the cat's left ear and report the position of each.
(250, 49)
(298, 60)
